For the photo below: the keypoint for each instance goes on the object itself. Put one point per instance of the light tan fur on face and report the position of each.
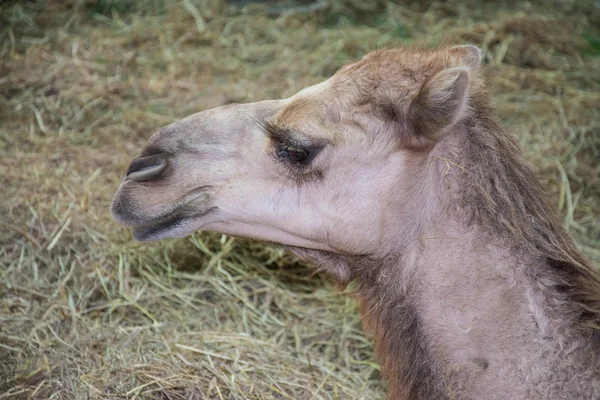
(465, 276)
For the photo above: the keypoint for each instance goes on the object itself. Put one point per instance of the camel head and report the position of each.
(336, 168)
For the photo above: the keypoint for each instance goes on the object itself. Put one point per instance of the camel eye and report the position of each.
(295, 154)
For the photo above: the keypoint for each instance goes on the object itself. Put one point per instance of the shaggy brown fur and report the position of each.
(505, 198)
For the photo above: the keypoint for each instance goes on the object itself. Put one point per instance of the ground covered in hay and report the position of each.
(85, 313)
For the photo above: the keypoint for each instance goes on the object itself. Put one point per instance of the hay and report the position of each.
(87, 313)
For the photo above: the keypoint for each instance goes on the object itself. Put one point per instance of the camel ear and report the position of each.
(441, 102)
(466, 56)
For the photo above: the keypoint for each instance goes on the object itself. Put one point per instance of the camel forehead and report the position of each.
(314, 90)
(317, 110)
(405, 68)
(309, 113)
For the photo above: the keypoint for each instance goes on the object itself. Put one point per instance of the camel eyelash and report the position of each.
(298, 171)
(297, 153)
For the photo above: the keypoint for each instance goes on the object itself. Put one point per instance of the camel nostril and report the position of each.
(146, 168)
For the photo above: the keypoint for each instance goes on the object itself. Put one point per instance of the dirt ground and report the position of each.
(86, 313)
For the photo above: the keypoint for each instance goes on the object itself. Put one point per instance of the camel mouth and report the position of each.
(149, 225)
(175, 224)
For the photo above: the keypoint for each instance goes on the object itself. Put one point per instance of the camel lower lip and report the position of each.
(150, 233)
(162, 228)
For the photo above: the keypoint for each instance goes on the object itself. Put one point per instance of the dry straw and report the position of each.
(85, 313)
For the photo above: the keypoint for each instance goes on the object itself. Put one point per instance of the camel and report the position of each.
(393, 174)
